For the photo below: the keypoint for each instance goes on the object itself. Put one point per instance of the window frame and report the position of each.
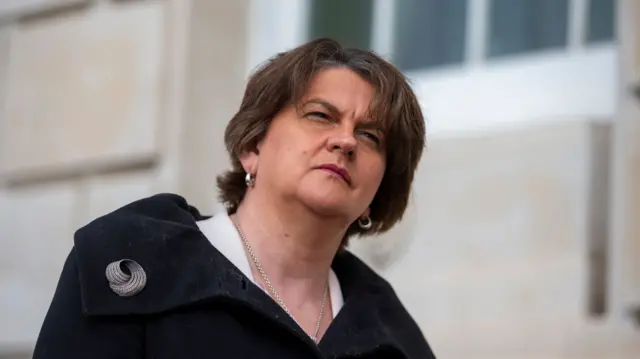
(477, 33)
(577, 82)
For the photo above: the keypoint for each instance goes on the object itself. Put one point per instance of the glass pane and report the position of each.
(348, 22)
(429, 33)
(601, 20)
(517, 26)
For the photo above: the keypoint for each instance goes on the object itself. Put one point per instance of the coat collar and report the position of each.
(222, 234)
(183, 268)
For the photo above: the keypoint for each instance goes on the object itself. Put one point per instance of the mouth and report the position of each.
(343, 173)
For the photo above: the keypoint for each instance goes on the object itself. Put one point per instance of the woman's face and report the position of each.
(329, 155)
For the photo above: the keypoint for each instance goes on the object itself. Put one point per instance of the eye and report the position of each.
(318, 115)
(372, 137)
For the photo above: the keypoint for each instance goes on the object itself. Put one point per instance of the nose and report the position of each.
(344, 142)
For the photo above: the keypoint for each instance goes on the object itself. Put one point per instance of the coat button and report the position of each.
(126, 277)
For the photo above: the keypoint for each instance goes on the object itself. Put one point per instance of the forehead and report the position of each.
(341, 87)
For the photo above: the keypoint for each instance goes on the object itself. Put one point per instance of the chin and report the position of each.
(326, 205)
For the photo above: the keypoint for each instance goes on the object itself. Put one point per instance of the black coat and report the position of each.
(196, 304)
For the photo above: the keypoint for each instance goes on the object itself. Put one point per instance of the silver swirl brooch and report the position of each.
(126, 277)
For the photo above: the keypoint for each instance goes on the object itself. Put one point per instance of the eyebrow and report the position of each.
(330, 107)
(371, 125)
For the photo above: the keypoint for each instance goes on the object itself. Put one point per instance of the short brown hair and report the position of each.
(283, 80)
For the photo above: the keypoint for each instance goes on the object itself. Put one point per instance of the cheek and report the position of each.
(373, 174)
(291, 160)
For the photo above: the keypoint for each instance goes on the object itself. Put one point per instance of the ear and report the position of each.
(366, 213)
(249, 161)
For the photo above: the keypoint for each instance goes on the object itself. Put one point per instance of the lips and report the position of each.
(337, 170)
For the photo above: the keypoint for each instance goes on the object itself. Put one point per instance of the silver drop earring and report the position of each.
(249, 180)
(365, 223)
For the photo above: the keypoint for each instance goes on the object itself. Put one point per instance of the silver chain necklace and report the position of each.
(273, 290)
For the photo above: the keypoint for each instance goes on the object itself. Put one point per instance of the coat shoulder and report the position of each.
(393, 319)
(159, 234)
(149, 221)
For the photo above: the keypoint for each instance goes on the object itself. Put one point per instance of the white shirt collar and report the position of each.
(222, 234)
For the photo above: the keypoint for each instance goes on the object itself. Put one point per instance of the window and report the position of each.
(601, 20)
(348, 22)
(517, 26)
(429, 33)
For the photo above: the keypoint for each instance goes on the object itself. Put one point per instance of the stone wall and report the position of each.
(508, 257)
(103, 102)
(625, 209)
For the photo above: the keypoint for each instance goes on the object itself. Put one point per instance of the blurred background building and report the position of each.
(523, 237)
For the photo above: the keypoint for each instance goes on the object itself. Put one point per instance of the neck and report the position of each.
(294, 245)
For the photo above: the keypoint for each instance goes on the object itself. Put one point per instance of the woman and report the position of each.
(324, 147)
